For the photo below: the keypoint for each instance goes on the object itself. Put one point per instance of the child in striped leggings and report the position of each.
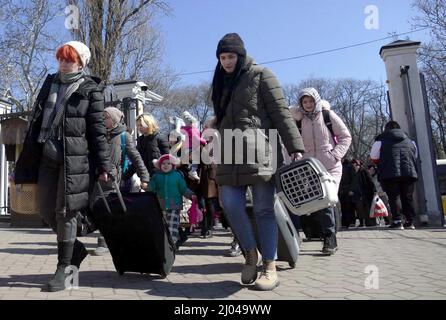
(170, 187)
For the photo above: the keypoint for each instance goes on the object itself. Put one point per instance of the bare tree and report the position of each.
(362, 105)
(118, 31)
(195, 99)
(433, 65)
(291, 93)
(26, 47)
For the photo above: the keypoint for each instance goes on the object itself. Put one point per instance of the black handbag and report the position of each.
(53, 150)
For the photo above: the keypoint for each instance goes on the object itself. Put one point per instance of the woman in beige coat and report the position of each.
(321, 144)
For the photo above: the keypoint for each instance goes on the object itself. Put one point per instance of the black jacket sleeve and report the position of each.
(96, 131)
(163, 144)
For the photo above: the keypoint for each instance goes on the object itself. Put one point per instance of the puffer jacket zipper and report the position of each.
(314, 140)
(166, 198)
(64, 153)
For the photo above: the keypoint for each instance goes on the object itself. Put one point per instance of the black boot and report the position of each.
(330, 244)
(64, 255)
(79, 253)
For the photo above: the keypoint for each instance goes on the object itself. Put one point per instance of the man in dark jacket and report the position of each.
(396, 156)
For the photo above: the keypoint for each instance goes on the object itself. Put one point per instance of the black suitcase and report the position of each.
(135, 231)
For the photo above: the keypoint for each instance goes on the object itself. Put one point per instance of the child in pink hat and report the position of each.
(170, 187)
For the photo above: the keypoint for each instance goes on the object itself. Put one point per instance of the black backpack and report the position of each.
(327, 121)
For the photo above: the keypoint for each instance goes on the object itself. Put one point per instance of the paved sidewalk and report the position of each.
(410, 264)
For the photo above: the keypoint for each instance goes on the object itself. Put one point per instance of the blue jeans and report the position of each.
(234, 205)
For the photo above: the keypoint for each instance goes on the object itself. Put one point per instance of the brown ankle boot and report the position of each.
(268, 279)
(249, 272)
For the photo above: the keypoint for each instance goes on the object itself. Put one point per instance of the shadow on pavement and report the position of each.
(131, 281)
(30, 231)
(213, 290)
(191, 243)
(37, 251)
(214, 268)
(204, 252)
(51, 244)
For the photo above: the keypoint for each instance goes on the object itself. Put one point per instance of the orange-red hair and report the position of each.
(68, 53)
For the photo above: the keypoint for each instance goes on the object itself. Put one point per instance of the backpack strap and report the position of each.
(327, 121)
(299, 125)
(124, 159)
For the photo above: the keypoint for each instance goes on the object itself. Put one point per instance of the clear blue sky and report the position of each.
(285, 28)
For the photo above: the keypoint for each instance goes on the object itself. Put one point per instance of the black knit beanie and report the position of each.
(231, 42)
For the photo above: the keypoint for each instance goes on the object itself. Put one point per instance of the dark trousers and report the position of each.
(400, 193)
(348, 211)
(327, 221)
(211, 205)
(51, 198)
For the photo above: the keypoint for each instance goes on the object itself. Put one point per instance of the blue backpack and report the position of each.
(124, 158)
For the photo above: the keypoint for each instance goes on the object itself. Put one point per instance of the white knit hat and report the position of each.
(82, 50)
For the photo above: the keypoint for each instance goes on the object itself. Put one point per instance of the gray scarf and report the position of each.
(63, 86)
(310, 115)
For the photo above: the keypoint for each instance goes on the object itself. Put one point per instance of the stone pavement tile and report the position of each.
(312, 283)
(400, 286)
(175, 298)
(71, 298)
(290, 292)
(337, 289)
(442, 291)
(267, 295)
(334, 295)
(101, 291)
(289, 283)
(39, 295)
(422, 289)
(378, 296)
(298, 298)
(313, 292)
(125, 292)
(430, 297)
(117, 297)
(247, 296)
(19, 290)
(406, 295)
(357, 296)
(81, 293)
(14, 296)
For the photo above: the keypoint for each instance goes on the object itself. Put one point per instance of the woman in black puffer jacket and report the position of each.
(65, 148)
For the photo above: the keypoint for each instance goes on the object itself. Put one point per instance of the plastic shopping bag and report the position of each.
(378, 208)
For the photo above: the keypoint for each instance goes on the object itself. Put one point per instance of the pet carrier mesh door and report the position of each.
(305, 187)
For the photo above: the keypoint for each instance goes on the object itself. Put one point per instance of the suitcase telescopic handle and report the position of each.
(118, 192)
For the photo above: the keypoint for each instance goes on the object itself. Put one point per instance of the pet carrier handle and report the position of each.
(118, 192)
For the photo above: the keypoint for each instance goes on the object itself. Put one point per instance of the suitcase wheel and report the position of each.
(163, 275)
(292, 265)
(120, 272)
